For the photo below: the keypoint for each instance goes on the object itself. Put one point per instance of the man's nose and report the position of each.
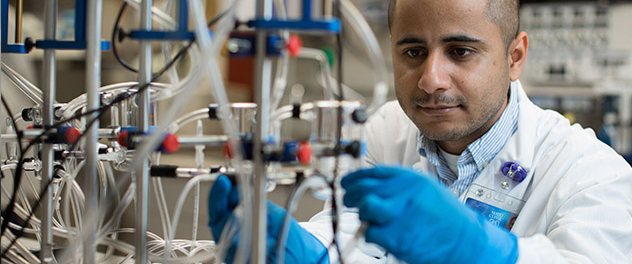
(435, 75)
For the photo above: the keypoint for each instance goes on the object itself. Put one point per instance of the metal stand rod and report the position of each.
(1, 97)
(263, 74)
(142, 176)
(50, 17)
(18, 21)
(93, 82)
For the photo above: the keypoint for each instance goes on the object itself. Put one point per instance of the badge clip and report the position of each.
(514, 171)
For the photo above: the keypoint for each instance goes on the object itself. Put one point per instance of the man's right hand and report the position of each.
(301, 247)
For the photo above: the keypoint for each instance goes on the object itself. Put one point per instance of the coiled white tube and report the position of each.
(312, 183)
(362, 28)
(29, 89)
(208, 51)
(178, 209)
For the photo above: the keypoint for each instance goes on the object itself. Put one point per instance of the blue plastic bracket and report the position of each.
(305, 23)
(161, 35)
(332, 25)
(274, 45)
(181, 32)
(68, 44)
(5, 47)
(80, 33)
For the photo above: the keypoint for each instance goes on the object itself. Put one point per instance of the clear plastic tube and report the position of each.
(25, 256)
(175, 108)
(9, 166)
(172, 73)
(179, 204)
(158, 91)
(312, 183)
(80, 101)
(30, 90)
(199, 114)
(285, 112)
(325, 71)
(282, 63)
(209, 50)
(363, 30)
(159, 16)
(162, 205)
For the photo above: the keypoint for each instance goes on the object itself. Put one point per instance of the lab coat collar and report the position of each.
(519, 149)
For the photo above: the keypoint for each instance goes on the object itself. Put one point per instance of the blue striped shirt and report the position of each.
(479, 153)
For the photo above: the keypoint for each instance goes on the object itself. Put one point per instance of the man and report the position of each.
(467, 122)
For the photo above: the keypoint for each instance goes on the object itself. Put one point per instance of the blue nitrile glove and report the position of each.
(302, 246)
(418, 221)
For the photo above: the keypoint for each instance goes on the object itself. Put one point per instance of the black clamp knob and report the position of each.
(360, 115)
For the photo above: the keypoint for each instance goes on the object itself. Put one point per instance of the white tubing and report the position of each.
(312, 183)
(209, 50)
(199, 114)
(362, 28)
(159, 16)
(29, 89)
(282, 63)
(325, 71)
(179, 204)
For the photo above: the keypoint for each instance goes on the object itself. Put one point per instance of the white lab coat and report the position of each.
(578, 191)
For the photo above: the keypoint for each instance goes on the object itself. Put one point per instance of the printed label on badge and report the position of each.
(493, 214)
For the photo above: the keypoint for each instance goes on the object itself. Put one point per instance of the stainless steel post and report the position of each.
(93, 82)
(142, 176)
(263, 75)
(2, 120)
(50, 17)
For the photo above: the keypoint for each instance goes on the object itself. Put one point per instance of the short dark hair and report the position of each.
(503, 13)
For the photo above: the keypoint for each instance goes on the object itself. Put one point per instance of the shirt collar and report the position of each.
(485, 148)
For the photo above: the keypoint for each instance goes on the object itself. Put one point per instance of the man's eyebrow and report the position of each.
(454, 38)
(410, 40)
(460, 38)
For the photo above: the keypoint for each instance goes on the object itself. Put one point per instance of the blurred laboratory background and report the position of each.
(579, 64)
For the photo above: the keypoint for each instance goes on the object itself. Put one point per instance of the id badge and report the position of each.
(498, 208)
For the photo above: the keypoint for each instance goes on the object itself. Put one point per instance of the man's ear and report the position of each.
(518, 55)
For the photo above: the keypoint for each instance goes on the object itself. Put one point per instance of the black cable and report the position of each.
(101, 111)
(334, 215)
(8, 212)
(339, 40)
(114, 40)
(116, 37)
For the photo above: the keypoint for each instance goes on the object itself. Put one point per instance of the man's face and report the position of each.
(451, 67)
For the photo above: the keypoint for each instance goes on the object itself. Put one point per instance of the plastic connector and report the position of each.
(360, 115)
(212, 112)
(170, 144)
(304, 153)
(128, 139)
(27, 114)
(163, 171)
(294, 45)
(69, 135)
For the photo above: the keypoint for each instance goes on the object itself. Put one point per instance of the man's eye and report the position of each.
(413, 53)
(461, 52)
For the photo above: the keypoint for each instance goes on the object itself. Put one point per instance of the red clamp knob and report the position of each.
(71, 135)
(294, 45)
(170, 144)
(304, 153)
(122, 138)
